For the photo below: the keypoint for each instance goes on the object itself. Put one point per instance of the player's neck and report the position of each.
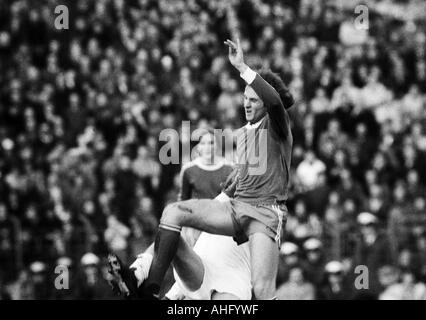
(255, 122)
(209, 163)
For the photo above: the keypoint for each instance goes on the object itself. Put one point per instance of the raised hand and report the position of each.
(235, 55)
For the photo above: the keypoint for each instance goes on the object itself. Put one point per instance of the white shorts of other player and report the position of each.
(226, 269)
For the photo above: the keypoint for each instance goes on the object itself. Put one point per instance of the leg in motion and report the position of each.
(264, 265)
(188, 266)
(206, 215)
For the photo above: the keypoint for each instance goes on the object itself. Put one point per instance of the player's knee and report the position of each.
(172, 214)
(263, 288)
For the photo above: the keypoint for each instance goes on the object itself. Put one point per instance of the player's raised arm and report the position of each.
(276, 100)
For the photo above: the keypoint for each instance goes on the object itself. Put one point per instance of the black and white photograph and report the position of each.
(235, 150)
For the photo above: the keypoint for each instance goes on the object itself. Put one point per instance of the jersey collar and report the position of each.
(250, 125)
(213, 167)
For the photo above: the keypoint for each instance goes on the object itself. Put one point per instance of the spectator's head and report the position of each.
(313, 249)
(409, 152)
(332, 214)
(399, 191)
(64, 262)
(346, 176)
(125, 163)
(349, 207)
(290, 253)
(3, 212)
(333, 127)
(90, 264)
(370, 177)
(334, 198)
(367, 223)
(421, 241)
(146, 205)
(420, 203)
(417, 129)
(361, 129)
(340, 158)
(374, 75)
(89, 208)
(414, 89)
(409, 276)
(320, 93)
(388, 275)
(296, 275)
(300, 209)
(412, 177)
(310, 156)
(322, 179)
(31, 213)
(334, 272)
(142, 152)
(379, 161)
(38, 272)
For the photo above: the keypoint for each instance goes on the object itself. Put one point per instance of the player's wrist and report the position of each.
(241, 67)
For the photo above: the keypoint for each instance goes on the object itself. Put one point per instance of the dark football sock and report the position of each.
(165, 247)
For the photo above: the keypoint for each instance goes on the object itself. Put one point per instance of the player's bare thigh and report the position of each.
(207, 215)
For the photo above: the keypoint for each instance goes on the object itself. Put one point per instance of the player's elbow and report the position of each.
(283, 95)
(287, 99)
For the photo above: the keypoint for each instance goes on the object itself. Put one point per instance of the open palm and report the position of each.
(235, 54)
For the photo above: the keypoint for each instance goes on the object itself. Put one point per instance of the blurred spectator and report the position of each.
(388, 276)
(81, 112)
(8, 244)
(407, 289)
(289, 258)
(314, 262)
(68, 292)
(332, 139)
(92, 284)
(116, 237)
(296, 288)
(335, 286)
(372, 249)
(303, 224)
(308, 171)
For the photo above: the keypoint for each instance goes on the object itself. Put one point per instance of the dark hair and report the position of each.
(278, 84)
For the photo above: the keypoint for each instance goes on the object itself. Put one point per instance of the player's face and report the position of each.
(253, 105)
(206, 146)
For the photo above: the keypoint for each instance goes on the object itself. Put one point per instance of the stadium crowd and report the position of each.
(81, 110)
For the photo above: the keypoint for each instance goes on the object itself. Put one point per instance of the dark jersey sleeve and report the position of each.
(185, 189)
(230, 184)
(278, 115)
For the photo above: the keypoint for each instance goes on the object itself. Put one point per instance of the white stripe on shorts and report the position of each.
(280, 224)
